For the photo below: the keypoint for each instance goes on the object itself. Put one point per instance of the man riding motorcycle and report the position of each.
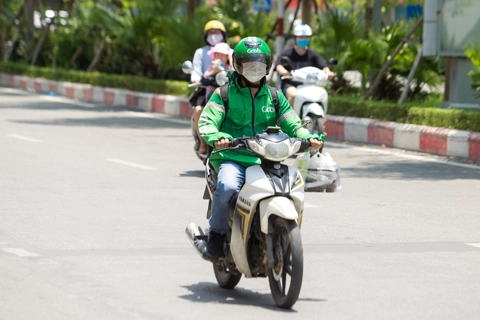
(251, 110)
(213, 33)
(301, 56)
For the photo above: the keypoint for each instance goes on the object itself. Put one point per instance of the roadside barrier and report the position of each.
(439, 141)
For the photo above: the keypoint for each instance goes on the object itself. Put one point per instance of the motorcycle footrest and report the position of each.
(203, 237)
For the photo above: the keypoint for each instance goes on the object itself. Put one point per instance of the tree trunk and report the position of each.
(41, 41)
(368, 16)
(307, 11)
(79, 50)
(191, 8)
(390, 59)
(410, 75)
(17, 23)
(98, 54)
(3, 29)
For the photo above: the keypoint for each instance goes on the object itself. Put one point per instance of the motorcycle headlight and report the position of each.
(256, 147)
(277, 151)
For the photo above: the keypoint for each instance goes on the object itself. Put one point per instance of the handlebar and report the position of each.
(241, 144)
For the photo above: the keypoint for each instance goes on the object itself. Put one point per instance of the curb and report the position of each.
(438, 141)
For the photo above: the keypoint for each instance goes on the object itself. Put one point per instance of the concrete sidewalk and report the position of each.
(439, 141)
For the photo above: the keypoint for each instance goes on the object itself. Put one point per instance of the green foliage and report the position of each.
(445, 118)
(354, 107)
(473, 53)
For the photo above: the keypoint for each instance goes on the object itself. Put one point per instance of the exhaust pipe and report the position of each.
(192, 232)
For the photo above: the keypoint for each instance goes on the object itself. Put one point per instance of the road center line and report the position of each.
(21, 252)
(131, 164)
(17, 136)
(477, 245)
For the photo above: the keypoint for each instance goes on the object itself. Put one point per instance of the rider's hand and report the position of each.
(329, 73)
(222, 143)
(315, 144)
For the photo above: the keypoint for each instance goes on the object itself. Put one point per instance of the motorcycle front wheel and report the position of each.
(318, 125)
(225, 279)
(285, 277)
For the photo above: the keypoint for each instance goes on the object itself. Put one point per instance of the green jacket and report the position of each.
(245, 118)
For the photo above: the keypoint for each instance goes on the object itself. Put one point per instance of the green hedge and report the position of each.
(445, 118)
(134, 83)
(356, 107)
(422, 113)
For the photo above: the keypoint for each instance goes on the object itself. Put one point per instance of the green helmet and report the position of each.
(251, 49)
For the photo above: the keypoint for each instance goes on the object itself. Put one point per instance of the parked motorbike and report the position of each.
(200, 89)
(311, 99)
(263, 239)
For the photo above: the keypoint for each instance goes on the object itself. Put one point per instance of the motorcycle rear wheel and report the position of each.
(285, 277)
(225, 279)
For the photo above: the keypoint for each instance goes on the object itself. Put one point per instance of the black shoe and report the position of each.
(215, 244)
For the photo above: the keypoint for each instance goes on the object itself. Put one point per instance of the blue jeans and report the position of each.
(231, 177)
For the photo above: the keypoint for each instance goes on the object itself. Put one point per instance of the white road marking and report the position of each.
(401, 155)
(131, 164)
(477, 245)
(309, 205)
(21, 252)
(17, 136)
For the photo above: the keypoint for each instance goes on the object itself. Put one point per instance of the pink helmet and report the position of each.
(221, 47)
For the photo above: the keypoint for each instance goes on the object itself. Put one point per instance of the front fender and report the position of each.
(279, 206)
(313, 108)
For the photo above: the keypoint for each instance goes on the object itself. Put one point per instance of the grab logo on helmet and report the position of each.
(254, 51)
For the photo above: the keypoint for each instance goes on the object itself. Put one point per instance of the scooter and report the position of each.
(311, 99)
(263, 239)
(215, 81)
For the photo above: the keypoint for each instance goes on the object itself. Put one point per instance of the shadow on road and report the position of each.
(392, 166)
(193, 173)
(210, 292)
(107, 122)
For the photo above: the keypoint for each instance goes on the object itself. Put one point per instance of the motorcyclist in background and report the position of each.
(301, 56)
(213, 33)
(251, 110)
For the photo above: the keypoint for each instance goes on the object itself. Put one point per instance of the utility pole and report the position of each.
(306, 11)
(377, 17)
(280, 40)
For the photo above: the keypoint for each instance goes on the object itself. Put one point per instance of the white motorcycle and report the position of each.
(263, 239)
(311, 99)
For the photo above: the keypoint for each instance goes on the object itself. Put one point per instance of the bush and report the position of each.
(445, 118)
(356, 107)
(134, 83)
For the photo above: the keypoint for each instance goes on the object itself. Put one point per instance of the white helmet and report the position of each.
(302, 30)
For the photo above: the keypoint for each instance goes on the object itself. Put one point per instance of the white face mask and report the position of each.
(254, 71)
(213, 39)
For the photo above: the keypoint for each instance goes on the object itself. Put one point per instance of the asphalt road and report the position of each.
(94, 201)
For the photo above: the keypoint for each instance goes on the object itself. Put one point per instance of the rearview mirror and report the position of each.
(286, 62)
(187, 67)
(332, 62)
